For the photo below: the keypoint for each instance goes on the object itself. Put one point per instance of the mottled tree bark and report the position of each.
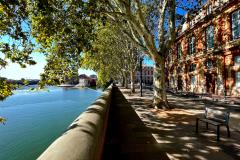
(160, 95)
(126, 80)
(123, 79)
(132, 76)
(123, 82)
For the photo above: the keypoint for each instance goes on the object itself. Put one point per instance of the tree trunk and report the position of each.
(160, 95)
(132, 81)
(123, 82)
(126, 80)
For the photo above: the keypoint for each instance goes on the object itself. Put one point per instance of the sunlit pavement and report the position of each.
(174, 130)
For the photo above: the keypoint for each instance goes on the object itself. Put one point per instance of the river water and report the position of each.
(36, 119)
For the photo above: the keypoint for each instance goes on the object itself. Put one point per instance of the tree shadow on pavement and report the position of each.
(127, 137)
(174, 130)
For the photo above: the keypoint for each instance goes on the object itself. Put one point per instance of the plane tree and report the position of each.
(63, 30)
(152, 27)
(148, 24)
(113, 56)
(16, 44)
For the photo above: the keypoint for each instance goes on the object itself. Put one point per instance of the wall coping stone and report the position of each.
(84, 138)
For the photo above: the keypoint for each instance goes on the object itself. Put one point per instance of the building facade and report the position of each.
(206, 55)
(147, 75)
(87, 81)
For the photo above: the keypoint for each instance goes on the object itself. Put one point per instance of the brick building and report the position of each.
(206, 55)
(147, 75)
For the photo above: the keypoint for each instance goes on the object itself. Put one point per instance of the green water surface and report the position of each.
(36, 119)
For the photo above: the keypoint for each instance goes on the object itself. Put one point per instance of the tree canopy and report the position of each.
(15, 40)
(113, 54)
(65, 30)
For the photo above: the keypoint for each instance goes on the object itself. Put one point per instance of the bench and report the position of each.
(215, 117)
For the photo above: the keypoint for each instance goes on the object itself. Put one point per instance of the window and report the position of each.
(191, 23)
(179, 70)
(210, 37)
(237, 79)
(236, 24)
(192, 67)
(209, 64)
(237, 60)
(179, 51)
(209, 9)
(193, 80)
(191, 45)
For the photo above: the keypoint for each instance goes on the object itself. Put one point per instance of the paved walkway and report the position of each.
(174, 130)
(127, 137)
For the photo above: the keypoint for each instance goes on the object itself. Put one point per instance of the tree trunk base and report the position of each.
(162, 105)
(132, 90)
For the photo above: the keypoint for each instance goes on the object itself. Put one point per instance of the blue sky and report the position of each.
(14, 71)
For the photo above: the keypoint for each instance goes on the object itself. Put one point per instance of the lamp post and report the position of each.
(141, 60)
(225, 78)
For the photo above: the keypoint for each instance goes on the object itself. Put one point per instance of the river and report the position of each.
(36, 119)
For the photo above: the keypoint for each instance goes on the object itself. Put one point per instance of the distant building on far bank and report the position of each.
(147, 75)
(87, 81)
(21, 81)
(93, 76)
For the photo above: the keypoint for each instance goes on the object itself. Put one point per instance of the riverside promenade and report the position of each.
(127, 137)
(138, 131)
(124, 126)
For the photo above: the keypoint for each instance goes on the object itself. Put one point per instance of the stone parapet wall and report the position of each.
(84, 139)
